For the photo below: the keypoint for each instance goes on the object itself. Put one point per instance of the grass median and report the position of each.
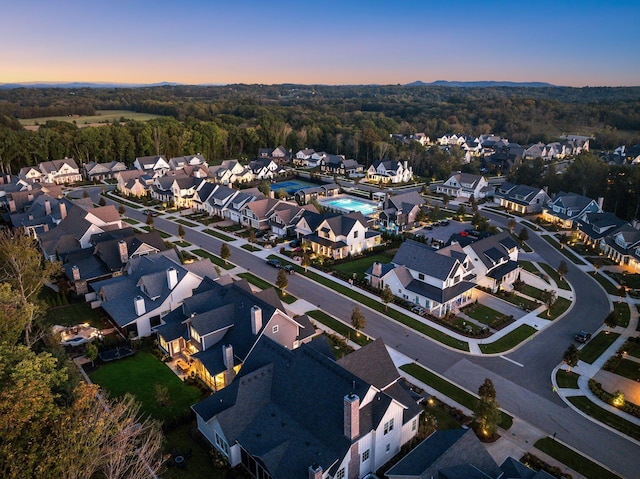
(558, 308)
(574, 259)
(610, 419)
(339, 327)
(377, 306)
(567, 379)
(262, 284)
(562, 284)
(598, 345)
(573, 459)
(214, 259)
(450, 390)
(509, 340)
(218, 235)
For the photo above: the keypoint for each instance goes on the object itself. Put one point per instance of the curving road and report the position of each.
(524, 389)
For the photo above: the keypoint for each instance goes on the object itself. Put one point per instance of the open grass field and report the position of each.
(102, 117)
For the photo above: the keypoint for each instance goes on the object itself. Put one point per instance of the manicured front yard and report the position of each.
(562, 284)
(214, 259)
(139, 375)
(186, 223)
(622, 313)
(520, 301)
(574, 460)
(339, 327)
(218, 235)
(262, 284)
(605, 283)
(585, 405)
(76, 313)
(566, 379)
(558, 308)
(630, 280)
(598, 345)
(483, 313)
(628, 369)
(450, 390)
(528, 266)
(508, 341)
(360, 265)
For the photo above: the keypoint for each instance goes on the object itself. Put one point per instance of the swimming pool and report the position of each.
(291, 186)
(348, 204)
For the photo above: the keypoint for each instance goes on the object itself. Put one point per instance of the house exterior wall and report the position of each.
(285, 331)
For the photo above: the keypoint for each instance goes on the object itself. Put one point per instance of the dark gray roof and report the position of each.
(372, 364)
(437, 294)
(503, 270)
(514, 469)
(404, 202)
(494, 248)
(420, 257)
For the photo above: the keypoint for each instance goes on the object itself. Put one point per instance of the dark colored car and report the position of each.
(295, 243)
(150, 213)
(444, 222)
(583, 337)
(275, 263)
(289, 268)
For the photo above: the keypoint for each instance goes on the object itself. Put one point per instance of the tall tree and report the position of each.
(611, 320)
(549, 297)
(562, 269)
(181, 232)
(358, 321)
(571, 356)
(282, 281)
(487, 412)
(225, 252)
(386, 296)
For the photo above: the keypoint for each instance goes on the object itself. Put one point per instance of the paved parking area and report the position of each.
(443, 233)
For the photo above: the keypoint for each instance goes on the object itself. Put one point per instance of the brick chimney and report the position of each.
(256, 319)
(63, 210)
(75, 271)
(351, 416)
(172, 278)
(315, 471)
(227, 358)
(47, 207)
(138, 303)
(123, 250)
(12, 206)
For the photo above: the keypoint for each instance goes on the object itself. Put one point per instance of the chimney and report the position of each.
(351, 416)
(172, 278)
(12, 206)
(47, 207)
(63, 210)
(138, 303)
(600, 202)
(227, 356)
(406, 165)
(29, 197)
(376, 269)
(256, 319)
(124, 252)
(75, 271)
(315, 471)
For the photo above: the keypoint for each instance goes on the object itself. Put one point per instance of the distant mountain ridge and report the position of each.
(83, 85)
(481, 84)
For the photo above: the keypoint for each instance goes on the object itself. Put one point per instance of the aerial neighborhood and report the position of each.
(312, 369)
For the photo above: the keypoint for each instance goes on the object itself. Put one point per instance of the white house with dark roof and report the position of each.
(299, 413)
(134, 182)
(464, 186)
(230, 172)
(181, 162)
(565, 208)
(388, 171)
(55, 171)
(154, 166)
(218, 199)
(521, 198)
(94, 171)
(495, 261)
(441, 281)
(400, 212)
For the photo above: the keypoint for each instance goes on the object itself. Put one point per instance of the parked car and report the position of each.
(444, 222)
(418, 310)
(583, 337)
(150, 213)
(295, 243)
(261, 233)
(75, 341)
(289, 268)
(275, 263)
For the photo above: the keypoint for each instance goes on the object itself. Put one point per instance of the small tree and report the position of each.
(597, 263)
(225, 252)
(282, 281)
(386, 296)
(611, 321)
(162, 395)
(523, 235)
(181, 232)
(91, 352)
(487, 411)
(564, 239)
(305, 261)
(358, 321)
(149, 221)
(473, 203)
(445, 199)
(562, 269)
(548, 297)
(252, 236)
(511, 225)
(102, 201)
(85, 194)
(265, 188)
(122, 210)
(461, 211)
(571, 356)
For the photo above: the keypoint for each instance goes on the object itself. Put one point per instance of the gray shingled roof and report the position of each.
(420, 257)
(372, 364)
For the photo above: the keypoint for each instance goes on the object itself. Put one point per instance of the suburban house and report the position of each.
(623, 246)
(338, 236)
(233, 208)
(230, 172)
(217, 327)
(103, 171)
(400, 212)
(154, 166)
(450, 453)
(218, 200)
(181, 162)
(265, 168)
(305, 195)
(153, 286)
(594, 227)
(255, 214)
(108, 257)
(280, 154)
(338, 165)
(303, 156)
(31, 174)
(284, 217)
(55, 171)
(521, 198)
(292, 413)
(76, 227)
(41, 214)
(441, 281)
(183, 190)
(388, 171)
(134, 182)
(495, 261)
(565, 208)
(464, 185)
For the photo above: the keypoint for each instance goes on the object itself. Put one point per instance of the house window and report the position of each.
(388, 426)
(365, 455)
(355, 234)
(421, 276)
(414, 424)
(275, 329)
(388, 448)
(222, 444)
(340, 474)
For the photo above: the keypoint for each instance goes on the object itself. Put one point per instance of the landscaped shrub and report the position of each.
(534, 462)
(604, 396)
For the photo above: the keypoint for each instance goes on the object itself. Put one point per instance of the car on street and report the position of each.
(275, 263)
(289, 268)
(582, 337)
(150, 213)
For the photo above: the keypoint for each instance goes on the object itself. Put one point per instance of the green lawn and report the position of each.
(483, 313)
(199, 465)
(564, 251)
(566, 379)
(360, 265)
(529, 266)
(628, 369)
(562, 284)
(139, 375)
(632, 348)
(630, 280)
(622, 313)
(598, 345)
(450, 390)
(606, 417)
(558, 308)
(574, 460)
(532, 292)
(262, 284)
(378, 306)
(214, 259)
(183, 244)
(509, 341)
(76, 313)
(606, 284)
(117, 199)
(250, 247)
(218, 235)
(520, 301)
(131, 221)
(186, 223)
(339, 327)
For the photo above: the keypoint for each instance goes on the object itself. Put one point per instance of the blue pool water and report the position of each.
(350, 204)
(291, 186)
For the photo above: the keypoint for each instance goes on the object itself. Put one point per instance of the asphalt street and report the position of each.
(524, 389)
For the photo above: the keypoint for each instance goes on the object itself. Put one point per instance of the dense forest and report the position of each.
(234, 121)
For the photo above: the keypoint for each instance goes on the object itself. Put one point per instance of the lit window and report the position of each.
(275, 329)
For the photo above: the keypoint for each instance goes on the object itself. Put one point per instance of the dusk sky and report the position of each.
(575, 43)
